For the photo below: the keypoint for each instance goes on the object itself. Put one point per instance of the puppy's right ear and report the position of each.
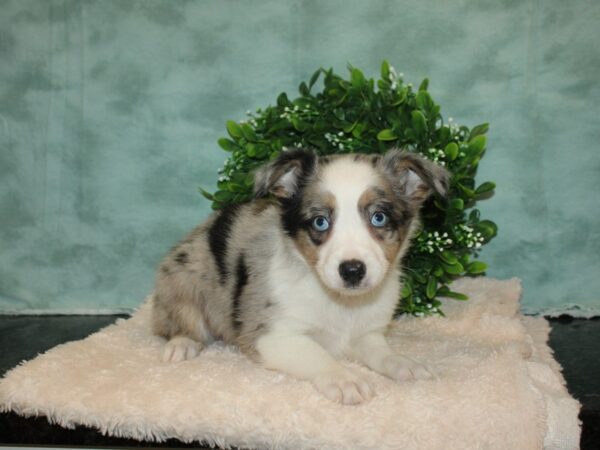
(285, 175)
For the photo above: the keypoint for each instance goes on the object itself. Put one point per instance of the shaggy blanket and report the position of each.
(497, 387)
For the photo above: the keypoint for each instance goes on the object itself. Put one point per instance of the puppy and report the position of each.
(307, 273)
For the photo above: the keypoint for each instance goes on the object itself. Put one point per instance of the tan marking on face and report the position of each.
(316, 202)
(306, 246)
(391, 236)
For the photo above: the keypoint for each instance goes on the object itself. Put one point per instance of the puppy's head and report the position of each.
(351, 216)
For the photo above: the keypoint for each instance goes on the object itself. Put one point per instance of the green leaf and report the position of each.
(248, 132)
(487, 228)
(223, 196)
(228, 145)
(424, 84)
(445, 134)
(386, 135)
(457, 204)
(299, 124)
(357, 78)
(383, 85)
(234, 187)
(479, 130)
(423, 100)
(431, 288)
(469, 193)
(249, 180)
(314, 79)
(477, 145)
(282, 100)
(420, 278)
(485, 187)
(448, 257)
(476, 267)
(454, 269)
(456, 295)
(419, 123)
(206, 194)
(358, 130)
(402, 94)
(234, 130)
(303, 88)
(474, 215)
(385, 70)
(406, 290)
(348, 128)
(451, 151)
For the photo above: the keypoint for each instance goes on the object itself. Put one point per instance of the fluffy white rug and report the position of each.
(498, 387)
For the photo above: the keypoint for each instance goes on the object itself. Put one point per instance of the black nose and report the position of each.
(352, 272)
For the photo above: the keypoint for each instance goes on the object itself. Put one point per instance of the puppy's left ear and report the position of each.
(414, 177)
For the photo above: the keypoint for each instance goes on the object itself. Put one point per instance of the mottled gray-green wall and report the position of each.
(110, 112)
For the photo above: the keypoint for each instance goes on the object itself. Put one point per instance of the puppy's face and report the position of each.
(351, 216)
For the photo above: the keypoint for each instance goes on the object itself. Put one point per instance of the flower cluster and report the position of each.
(437, 155)
(454, 127)
(337, 140)
(252, 121)
(429, 242)
(230, 166)
(296, 111)
(458, 132)
(467, 236)
(393, 77)
(429, 307)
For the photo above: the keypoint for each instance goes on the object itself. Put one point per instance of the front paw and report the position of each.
(401, 368)
(344, 386)
(180, 348)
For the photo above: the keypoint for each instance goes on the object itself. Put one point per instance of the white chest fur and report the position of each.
(307, 307)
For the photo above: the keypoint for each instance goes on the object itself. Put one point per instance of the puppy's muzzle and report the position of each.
(352, 272)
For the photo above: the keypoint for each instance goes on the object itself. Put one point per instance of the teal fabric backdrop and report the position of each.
(110, 112)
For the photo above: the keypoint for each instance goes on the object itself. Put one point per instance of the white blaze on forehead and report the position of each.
(347, 180)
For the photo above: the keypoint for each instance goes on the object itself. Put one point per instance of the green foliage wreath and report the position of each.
(361, 115)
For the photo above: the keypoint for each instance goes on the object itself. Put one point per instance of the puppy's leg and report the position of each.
(182, 324)
(374, 351)
(302, 357)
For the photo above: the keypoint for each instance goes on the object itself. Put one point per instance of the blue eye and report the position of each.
(379, 219)
(320, 223)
